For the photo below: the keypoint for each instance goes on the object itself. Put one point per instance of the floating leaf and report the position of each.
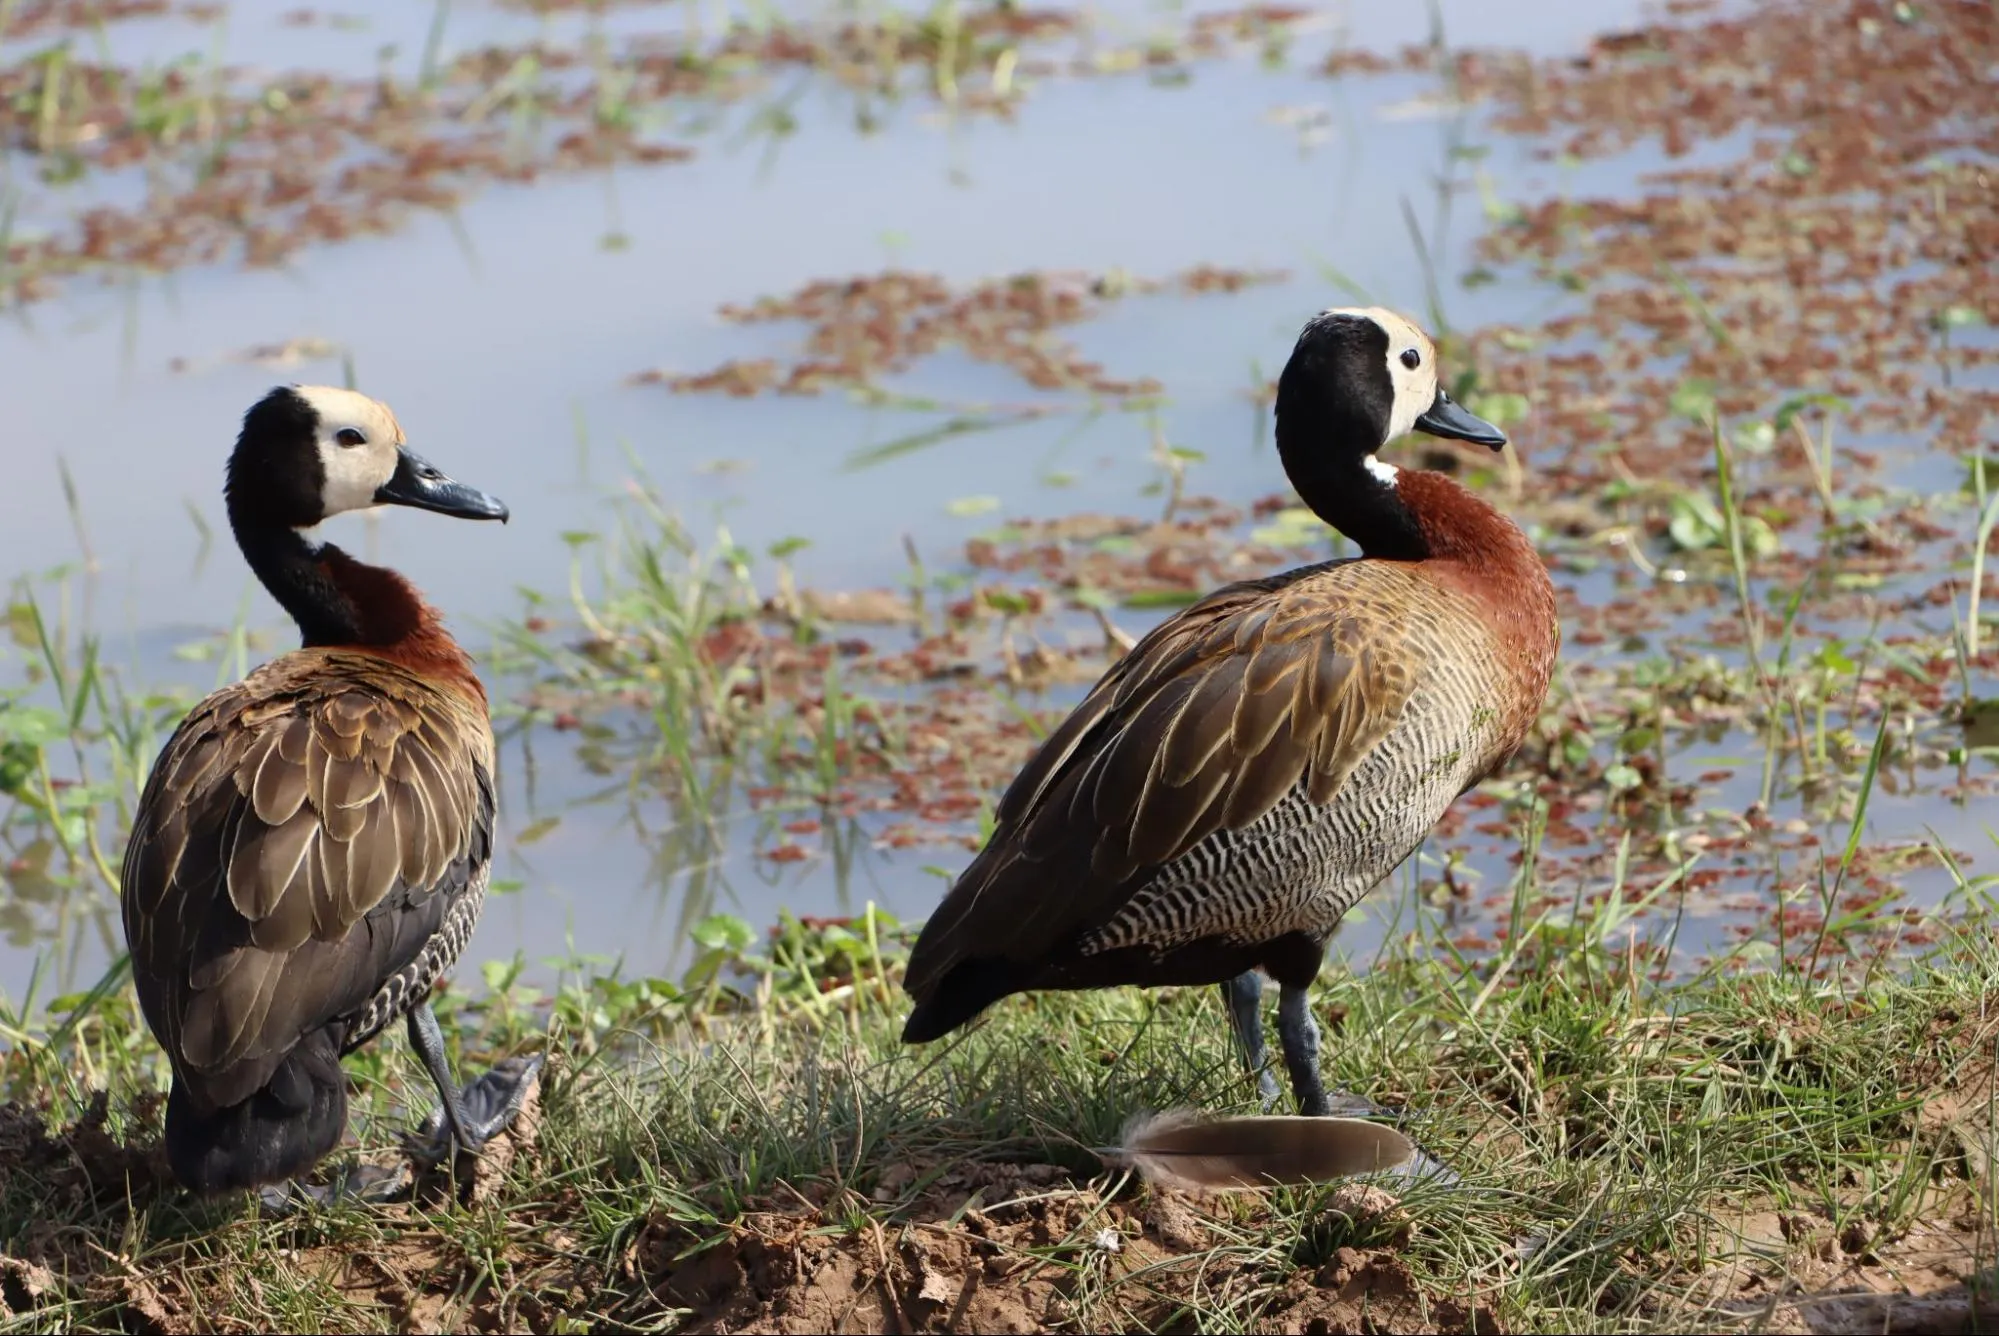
(1636, 740)
(1758, 538)
(18, 763)
(536, 830)
(1293, 526)
(30, 725)
(1007, 603)
(1502, 407)
(1161, 598)
(1756, 438)
(1693, 399)
(1797, 404)
(723, 932)
(1695, 524)
(21, 626)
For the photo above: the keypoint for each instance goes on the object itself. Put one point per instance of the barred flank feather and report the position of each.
(1184, 1148)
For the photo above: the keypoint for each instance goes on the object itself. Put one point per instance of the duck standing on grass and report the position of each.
(312, 849)
(1266, 757)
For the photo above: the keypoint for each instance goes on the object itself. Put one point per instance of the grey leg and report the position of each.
(1299, 1035)
(469, 1118)
(1241, 996)
(428, 1041)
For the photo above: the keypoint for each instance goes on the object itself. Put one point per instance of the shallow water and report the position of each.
(504, 341)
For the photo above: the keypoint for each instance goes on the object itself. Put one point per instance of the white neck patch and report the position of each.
(1386, 474)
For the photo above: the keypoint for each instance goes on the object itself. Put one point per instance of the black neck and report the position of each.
(1332, 477)
(293, 570)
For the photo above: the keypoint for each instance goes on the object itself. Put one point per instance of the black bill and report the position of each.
(1448, 420)
(420, 483)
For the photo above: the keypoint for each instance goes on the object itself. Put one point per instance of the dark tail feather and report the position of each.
(969, 988)
(278, 1133)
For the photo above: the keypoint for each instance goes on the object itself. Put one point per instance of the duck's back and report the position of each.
(1250, 769)
(309, 854)
(1430, 729)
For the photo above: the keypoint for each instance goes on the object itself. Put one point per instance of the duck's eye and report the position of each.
(349, 436)
(1411, 358)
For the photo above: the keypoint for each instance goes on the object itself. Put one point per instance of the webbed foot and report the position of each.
(486, 1107)
(366, 1184)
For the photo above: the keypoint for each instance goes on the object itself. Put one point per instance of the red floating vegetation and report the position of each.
(866, 328)
(250, 169)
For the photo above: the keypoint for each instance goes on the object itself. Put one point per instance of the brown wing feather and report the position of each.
(1205, 724)
(326, 788)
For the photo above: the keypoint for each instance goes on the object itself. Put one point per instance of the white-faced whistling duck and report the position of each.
(312, 848)
(1264, 758)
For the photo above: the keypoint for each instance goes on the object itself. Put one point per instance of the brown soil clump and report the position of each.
(1020, 1248)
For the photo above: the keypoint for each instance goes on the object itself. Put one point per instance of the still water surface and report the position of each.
(495, 339)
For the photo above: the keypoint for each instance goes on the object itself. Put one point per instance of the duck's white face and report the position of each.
(358, 439)
(1412, 369)
(1411, 366)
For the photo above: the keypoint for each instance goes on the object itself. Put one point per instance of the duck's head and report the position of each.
(1359, 378)
(309, 452)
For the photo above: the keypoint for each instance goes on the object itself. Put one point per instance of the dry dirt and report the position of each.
(1805, 1271)
(1047, 1253)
